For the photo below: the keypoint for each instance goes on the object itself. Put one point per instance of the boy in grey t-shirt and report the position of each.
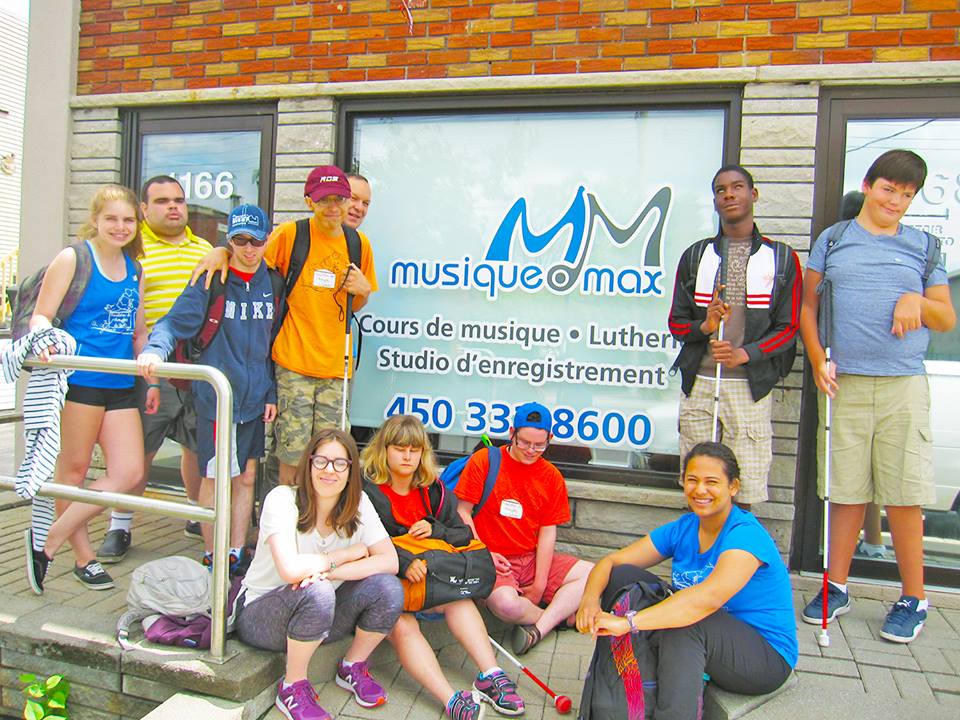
(883, 312)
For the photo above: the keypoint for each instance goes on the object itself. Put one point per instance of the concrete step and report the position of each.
(108, 683)
(186, 705)
(722, 705)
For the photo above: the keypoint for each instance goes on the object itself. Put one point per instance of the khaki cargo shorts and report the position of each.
(744, 428)
(881, 447)
(304, 406)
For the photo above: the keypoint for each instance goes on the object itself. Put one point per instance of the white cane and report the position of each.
(347, 352)
(722, 284)
(826, 320)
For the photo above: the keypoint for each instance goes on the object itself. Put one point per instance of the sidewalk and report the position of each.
(859, 677)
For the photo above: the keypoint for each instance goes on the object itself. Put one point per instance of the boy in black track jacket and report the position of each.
(760, 308)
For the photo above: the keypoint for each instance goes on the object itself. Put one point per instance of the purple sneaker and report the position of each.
(501, 692)
(463, 706)
(366, 691)
(298, 702)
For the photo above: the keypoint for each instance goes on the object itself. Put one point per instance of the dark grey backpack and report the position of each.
(608, 693)
(23, 297)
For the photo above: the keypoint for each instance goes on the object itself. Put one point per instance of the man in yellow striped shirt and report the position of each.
(171, 251)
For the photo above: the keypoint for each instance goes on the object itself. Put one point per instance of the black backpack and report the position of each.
(605, 690)
(188, 351)
(298, 257)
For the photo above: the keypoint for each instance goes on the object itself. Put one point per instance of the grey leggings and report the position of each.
(318, 612)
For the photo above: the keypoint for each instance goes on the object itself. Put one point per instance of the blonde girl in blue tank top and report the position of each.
(100, 407)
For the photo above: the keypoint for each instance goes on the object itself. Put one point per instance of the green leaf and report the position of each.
(56, 702)
(56, 717)
(53, 681)
(33, 711)
(35, 690)
(59, 695)
(28, 678)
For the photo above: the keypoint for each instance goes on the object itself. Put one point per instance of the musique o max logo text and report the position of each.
(500, 271)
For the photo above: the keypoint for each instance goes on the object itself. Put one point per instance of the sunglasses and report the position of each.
(241, 240)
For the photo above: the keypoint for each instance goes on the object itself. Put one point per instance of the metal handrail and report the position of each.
(219, 515)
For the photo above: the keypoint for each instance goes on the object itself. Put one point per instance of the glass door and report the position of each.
(859, 126)
(223, 156)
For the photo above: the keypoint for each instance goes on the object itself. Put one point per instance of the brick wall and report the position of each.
(142, 45)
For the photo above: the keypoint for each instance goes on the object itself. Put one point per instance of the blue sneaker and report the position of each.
(838, 603)
(904, 621)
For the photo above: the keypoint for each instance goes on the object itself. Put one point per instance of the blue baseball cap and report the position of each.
(533, 415)
(249, 220)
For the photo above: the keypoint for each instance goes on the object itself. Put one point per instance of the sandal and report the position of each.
(523, 638)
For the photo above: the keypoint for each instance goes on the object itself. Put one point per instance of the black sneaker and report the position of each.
(191, 529)
(37, 563)
(114, 547)
(93, 576)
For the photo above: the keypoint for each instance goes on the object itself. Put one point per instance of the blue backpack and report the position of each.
(451, 475)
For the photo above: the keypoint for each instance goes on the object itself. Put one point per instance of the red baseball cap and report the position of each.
(326, 180)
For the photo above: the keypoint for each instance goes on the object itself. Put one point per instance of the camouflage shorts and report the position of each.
(304, 405)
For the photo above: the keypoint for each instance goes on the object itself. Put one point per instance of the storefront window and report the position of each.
(531, 256)
(218, 171)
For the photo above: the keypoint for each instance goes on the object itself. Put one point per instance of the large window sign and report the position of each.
(531, 255)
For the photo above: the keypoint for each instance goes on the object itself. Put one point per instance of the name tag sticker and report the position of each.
(511, 509)
(324, 279)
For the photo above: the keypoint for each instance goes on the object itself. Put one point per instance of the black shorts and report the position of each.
(107, 398)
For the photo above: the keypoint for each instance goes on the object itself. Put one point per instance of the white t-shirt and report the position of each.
(279, 515)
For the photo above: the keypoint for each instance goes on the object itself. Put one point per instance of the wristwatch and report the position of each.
(629, 616)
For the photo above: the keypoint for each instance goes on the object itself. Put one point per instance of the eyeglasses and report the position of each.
(330, 200)
(524, 445)
(321, 462)
(241, 240)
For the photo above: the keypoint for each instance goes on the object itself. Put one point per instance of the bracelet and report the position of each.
(629, 616)
(333, 563)
(153, 385)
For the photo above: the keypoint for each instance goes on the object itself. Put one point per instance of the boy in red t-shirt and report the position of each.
(519, 525)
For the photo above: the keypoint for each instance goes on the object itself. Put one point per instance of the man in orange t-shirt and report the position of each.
(308, 352)
(518, 523)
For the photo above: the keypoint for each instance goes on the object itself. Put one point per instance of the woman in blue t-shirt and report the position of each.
(100, 408)
(731, 612)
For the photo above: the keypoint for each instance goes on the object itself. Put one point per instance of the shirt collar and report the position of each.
(148, 234)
